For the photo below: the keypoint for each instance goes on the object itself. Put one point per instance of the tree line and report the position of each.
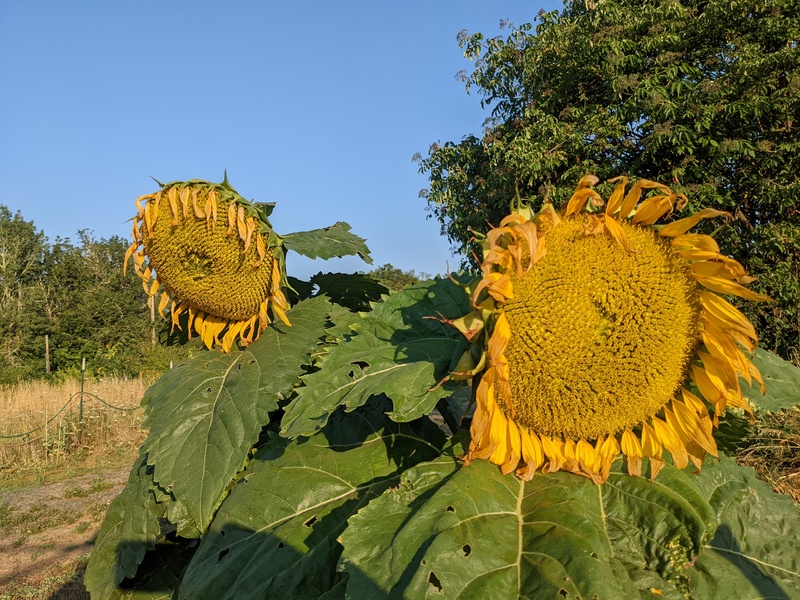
(65, 300)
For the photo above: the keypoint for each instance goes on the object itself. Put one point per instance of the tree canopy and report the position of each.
(77, 295)
(703, 96)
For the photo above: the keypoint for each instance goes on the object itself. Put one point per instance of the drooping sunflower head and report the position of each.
(214, 257)
(589, 329)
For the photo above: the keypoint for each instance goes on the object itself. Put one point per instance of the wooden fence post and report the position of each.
(47, 353)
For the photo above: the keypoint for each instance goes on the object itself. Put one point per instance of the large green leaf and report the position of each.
(782, 380)
(276, 535)
(205, 415)
(328, 242)
(400, 349)
(470, 532)
(454, 532)
(756, 550)
(355, 291)
(129, 530)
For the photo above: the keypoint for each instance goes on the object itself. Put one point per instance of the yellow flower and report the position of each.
(216, 257)
(588, 326)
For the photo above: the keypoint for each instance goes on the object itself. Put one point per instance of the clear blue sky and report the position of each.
(317, 106)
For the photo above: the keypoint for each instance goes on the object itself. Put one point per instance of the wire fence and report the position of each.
(85, 420)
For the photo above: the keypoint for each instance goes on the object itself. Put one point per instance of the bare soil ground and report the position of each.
(47, 531)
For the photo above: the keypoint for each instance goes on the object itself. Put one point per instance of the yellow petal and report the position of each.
(609, 450)
(184, 195)
(582, 194)
(672, 442)
(617, 232)
(554, 451)
(652, 209)
(696, 240)
(725, 312)
(651, 448)
(681, 226)
(632, 199)
(724, 286)
(532, 454)
(172, 195)
(615, 201)
(632, 449)
(231, 217)
(162, 305)
(197, 210)
(515, 450)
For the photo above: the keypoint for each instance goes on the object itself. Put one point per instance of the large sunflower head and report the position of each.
(216, 257)
(590, 327)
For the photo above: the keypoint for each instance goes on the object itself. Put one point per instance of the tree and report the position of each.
(78, 296)
(701, 95)
(394, 278)
(22, 248)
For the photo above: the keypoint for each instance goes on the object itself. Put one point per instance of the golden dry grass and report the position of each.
(34, 407)
(773, 450)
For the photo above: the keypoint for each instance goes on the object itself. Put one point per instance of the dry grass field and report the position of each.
(57, 482)
(111, 420)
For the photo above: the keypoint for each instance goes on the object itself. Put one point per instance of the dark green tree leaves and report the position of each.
(701, 96)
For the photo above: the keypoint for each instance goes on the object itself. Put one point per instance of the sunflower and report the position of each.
(216, 257)
(590, 327)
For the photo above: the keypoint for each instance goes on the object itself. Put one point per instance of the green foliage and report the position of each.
(396, 279)
(782, 382)
(702, 96)
(201, 414)
(328, 242)
(78, 296)
(399, 349)
(307, 466)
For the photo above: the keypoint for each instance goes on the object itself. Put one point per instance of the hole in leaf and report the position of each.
(239, 367)
(360, 363)
(222, 532)
(311, 521)
(466, 549)
(222, 554)
(423, 562)
(280, 546)
(450, 509)
(593, 555)
(562, 592)
(434, 581)
(252, 361)
(208, 389)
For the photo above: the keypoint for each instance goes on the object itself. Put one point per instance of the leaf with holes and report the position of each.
(276, 535)
(401, 349)
(456, 532)
(205, 415)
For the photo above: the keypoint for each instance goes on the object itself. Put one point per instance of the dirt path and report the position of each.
(52, 525)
